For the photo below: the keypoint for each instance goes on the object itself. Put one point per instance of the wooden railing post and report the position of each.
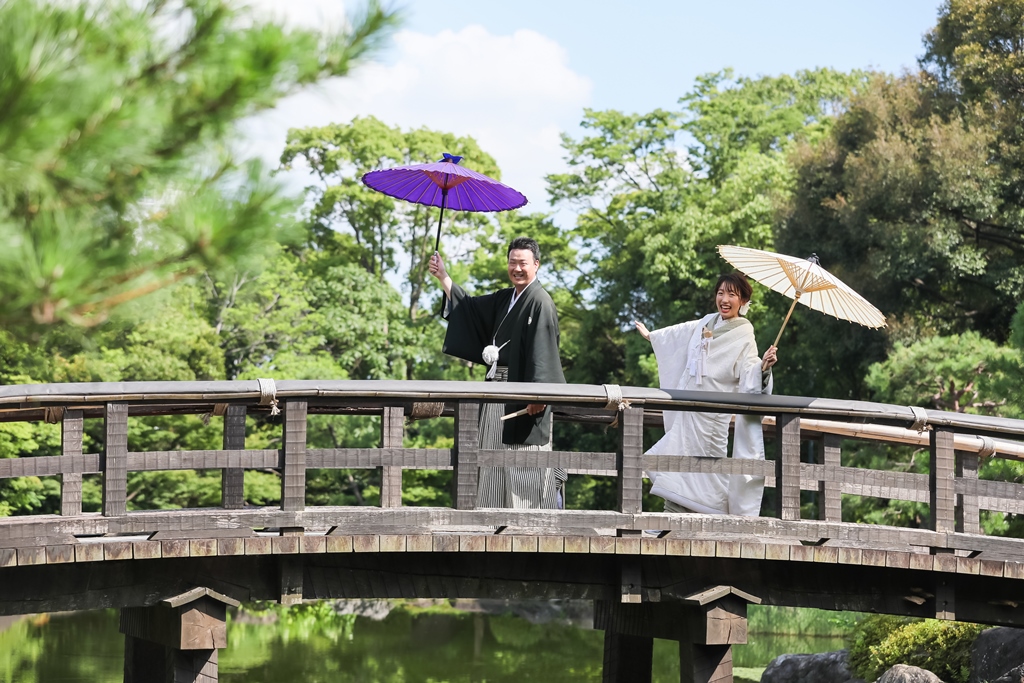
(941, 488)
(392, 430)
(830, 501)
(968, 518)
(466, 470)
(629, 461)
(114, 465)
(232, 483)
(787, 467)
(293, 471)
(70, 447)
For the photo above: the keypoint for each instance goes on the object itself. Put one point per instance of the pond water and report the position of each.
(313, 644)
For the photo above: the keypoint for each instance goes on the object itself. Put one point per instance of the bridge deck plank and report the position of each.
(341, 544)
(258, 545)
(1013, 570)
(392, 543)
(499, 544)
(147, 550)
(60, 554)
(576, 544)
(31, 556)
(677, 546)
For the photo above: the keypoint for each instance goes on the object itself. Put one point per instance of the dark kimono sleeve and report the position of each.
(470, 324)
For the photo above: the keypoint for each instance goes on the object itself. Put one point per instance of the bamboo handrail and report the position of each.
(962, 442)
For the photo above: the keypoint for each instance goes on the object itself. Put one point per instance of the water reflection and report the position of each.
(314, 643)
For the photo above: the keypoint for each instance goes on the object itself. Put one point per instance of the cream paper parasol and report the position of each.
(803, 280)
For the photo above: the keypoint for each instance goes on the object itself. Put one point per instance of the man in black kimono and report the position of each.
(515, 332)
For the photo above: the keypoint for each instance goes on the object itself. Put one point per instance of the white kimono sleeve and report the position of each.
(672, 349)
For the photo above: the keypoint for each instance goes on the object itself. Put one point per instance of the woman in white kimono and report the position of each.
(716, 353)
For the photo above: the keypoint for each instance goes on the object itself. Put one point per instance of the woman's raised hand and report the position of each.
(771, 357)
(642, 329)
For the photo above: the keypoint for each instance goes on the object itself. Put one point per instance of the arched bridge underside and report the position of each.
(177, 570)
(803, 563)
(117, 557)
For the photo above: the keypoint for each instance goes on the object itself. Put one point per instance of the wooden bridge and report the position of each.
(173, 573)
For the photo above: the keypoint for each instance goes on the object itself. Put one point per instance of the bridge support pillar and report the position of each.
(145, 662)
(176, 640)
(627, 659)
(706, 625)
(705, 663)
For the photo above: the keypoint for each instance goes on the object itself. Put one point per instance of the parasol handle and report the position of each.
(444, 199)
(784, 322)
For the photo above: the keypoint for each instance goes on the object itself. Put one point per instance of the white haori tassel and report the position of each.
(490, 357)
(698, 363)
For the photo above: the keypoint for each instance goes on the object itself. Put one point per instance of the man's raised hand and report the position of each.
(437, 269)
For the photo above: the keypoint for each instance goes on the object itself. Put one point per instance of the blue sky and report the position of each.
(645, 54)
(516, 74)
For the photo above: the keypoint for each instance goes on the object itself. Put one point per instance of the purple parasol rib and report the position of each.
(424, 184)
(447, 185)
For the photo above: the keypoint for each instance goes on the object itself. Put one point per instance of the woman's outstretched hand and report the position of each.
(642, 329)
(771, 357)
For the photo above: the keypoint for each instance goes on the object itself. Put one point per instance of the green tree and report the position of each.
(650, 212)
(388, 231)
(914, 196)
(113, 144)
(961, 373)
(654, 194)
(267, 324)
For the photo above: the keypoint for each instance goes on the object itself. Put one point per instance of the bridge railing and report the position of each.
(952, 490)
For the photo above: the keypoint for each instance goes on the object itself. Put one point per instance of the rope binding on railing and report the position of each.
(219, 410)
(988, 447)
(920, 419)
(268, 395)
(53, 414)
(422, 410)
(614, 401)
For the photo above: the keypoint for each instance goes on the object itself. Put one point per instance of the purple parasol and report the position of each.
(447, 185)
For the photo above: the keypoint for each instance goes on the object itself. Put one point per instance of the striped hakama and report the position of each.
(514, 487)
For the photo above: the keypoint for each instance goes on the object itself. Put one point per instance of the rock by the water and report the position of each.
(1014, 675)
(826, 667)
(995, 653)
(902, 673)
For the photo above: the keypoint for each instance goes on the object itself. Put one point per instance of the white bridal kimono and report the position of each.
(710, 354)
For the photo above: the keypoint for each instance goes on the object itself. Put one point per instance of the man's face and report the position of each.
(522, 268)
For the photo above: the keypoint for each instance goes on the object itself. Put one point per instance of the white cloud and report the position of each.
(513, 93)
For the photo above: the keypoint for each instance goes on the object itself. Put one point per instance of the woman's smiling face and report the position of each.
(728, 302)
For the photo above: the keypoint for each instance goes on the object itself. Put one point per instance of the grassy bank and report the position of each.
(800, 621)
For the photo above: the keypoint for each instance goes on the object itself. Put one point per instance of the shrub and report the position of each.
(942, 647)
